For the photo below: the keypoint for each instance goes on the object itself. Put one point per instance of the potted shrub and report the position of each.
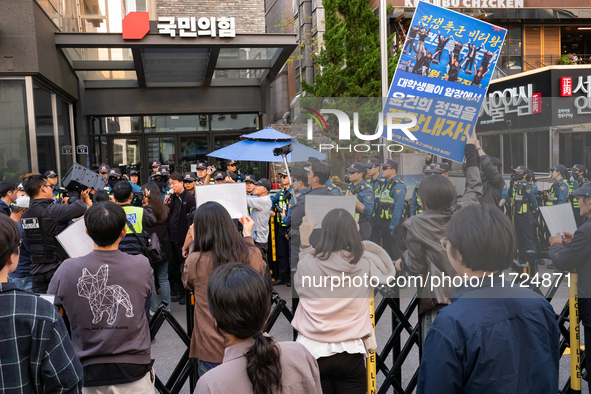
(567, 59)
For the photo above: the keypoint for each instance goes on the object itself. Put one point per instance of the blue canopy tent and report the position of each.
(259, 146)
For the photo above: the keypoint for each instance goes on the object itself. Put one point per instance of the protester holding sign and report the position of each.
(422, 234)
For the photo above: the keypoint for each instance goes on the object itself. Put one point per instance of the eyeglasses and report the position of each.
(444, 241)
(231, 165)
(282, 176)
(46, 185)
(188, 181)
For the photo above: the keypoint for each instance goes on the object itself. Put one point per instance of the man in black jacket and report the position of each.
(492, 180)
(7, 197)
(42, 222)
(180, 203)
(573, 251)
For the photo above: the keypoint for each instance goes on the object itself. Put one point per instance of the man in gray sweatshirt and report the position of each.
(103, 294)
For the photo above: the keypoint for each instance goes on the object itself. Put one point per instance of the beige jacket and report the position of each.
(341, 313)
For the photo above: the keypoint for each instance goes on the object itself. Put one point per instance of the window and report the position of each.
(491, 145)
(512, 148)
(14, 131)
(538, 151)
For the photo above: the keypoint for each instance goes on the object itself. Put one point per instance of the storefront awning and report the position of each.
(106, 60)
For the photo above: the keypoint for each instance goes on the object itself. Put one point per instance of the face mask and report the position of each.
(519, 176)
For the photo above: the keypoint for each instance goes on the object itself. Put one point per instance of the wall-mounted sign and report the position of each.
(566, 86)
(469, 3)
(192, 27)
(82, 149)
(67, 150)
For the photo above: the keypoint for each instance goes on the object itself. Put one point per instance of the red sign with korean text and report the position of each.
(566, 86)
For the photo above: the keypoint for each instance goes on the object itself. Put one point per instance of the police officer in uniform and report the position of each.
(523, 204)
(415, 202)
(203, 177)
(231, 166)
(578, 172)
(531, 179)
(365, 198)
(374, 174)
(249, 180)
(279, 211)
(189, 179)
(558, 193)
(389, 209)
(329, 185)
(104, 170)
(155, 166)
(52, 180)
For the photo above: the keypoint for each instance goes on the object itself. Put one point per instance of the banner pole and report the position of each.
(575, 335)
(371, 360)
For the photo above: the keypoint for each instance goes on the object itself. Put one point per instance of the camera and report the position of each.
(212, 168)
(284, 150)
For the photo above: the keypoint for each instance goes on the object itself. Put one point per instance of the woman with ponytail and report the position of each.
(240, 301)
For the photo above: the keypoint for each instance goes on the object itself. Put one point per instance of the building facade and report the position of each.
(130, 82)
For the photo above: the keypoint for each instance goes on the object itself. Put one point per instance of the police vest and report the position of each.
(282, 206)
(130, 244)
(552, 198)
(519, 200)
(419, 206)
(385, 202)
(358, 216)
(332, 188)
(571, 186)
(42, 245)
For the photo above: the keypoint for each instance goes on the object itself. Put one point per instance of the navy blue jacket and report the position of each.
(492, 340)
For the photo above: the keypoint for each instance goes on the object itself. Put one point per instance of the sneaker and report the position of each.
(183, 301)
(177, 297)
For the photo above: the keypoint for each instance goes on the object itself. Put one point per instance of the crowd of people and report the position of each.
(152, 244)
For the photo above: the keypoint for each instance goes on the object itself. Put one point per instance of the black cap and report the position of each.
(133, 172)
(219, 175)
(583, 191)
(428, 169)
(357, 167)
(521, 169)
(560, 168)
(249, 178)
(372, 162)
(104, 169)
(232, 163)
(264, 182)
(578, 167)
(189, 176)
(50, 174)
(311, 160)
(114, 173)
(156, 164)
(440, 168)
(201, 166)
(156, 173)
(390, 163)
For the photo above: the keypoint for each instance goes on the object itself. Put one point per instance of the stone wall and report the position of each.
(249, 14)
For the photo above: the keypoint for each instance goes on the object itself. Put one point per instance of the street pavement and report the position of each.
(167, 348)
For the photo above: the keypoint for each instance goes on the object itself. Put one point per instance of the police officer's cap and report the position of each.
(189, 176)
(156, 164)
(155, 173)
(50, 174)
(356, 167)
(560, 168)
(132, 172)
(284, 172)
(165, 172)
(249, 178)
(440, 168)
(104, 169)
(372, 162)
(583, 191)
(578, 168)
(390, 163)
(521, 169)
(232, 163)
(114, 173)
(311, 160)
(201, 166)
(219, 175)
(428, 169)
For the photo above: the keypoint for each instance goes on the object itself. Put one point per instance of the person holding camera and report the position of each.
(231, 166)
(204, 173)
(279, 212)
(42, 222)
(365, 198)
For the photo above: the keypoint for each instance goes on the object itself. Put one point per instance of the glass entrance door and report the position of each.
(162, 149)
(193, 149)
(126, 155)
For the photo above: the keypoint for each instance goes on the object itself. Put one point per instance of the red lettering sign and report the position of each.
(536, 103)
(566, 86)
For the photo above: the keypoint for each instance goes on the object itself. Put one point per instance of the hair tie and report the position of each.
(257, 334)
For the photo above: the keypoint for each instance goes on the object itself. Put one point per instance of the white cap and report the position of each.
(22, 202)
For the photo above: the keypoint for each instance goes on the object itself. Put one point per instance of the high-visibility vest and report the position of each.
(349, 192)
(520, 201)
(385, 204)
(135, 217)
(282, 206)
(552, 199)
